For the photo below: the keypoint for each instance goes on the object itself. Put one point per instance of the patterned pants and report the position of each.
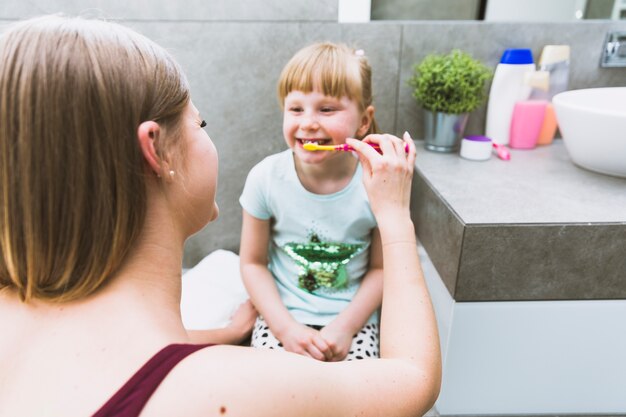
(364, 343)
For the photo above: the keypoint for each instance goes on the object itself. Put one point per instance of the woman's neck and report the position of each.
(152, 273)
(150, 279)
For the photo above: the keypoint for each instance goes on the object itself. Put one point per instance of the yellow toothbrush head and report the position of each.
(315, 147)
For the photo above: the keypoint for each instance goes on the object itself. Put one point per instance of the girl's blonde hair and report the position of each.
(335, 70)
(73, 93)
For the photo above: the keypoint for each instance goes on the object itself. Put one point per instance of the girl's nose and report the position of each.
(309, 122)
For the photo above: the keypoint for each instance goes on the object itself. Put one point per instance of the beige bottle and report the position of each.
(555, 60)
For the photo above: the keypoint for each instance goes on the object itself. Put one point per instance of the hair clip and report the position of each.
(359, 52)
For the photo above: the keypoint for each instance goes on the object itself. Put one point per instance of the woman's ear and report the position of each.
(366, 121)
(147, 133)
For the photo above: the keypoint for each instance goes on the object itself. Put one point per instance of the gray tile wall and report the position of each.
(233, 52)
(177, 10)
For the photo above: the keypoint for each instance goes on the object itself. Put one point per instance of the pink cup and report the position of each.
(526, 123)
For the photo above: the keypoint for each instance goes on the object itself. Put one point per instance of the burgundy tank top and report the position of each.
(133, 396)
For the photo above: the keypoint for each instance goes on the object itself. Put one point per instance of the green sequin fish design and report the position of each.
(322, 264)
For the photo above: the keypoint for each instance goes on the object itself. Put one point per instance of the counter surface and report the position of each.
(536, 227)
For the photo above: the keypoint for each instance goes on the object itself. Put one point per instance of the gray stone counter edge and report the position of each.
(519, 262)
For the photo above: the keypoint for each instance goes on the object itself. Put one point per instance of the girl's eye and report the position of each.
(327, 109)
(203, 124)
(295, 109)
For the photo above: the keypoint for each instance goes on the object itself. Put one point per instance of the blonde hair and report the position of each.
(73, 93)
(335, 70)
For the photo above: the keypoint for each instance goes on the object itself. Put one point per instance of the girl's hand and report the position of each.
(339, 341)
(303, 340)
(387, 175)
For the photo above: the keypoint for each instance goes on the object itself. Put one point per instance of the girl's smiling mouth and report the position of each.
(302, 141)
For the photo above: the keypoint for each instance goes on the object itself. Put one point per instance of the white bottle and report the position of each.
(507, 88)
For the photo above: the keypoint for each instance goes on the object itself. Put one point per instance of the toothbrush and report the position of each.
(502, 152)
(343, 147)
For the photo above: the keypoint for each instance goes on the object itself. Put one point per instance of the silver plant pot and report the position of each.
(443, 131)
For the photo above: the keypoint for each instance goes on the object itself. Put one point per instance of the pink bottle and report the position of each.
(526, 123)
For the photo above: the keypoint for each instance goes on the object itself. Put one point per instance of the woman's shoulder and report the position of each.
(221, 380)
(195, 385)
(239, 381)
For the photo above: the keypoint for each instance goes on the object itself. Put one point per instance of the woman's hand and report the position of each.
(387, 175)
(301, 339)
(235, 333)
(242, 320)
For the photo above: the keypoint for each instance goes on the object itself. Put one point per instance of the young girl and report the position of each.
(311, 257)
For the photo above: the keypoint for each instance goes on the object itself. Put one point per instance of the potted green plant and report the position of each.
(448, 87)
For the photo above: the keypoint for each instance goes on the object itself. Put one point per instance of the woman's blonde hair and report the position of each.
(73, 93)
(335, 70)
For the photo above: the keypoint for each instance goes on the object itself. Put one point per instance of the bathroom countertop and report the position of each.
(536, 227)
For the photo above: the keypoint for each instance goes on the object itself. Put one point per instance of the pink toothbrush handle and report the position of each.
(348, 148)
(502, 152)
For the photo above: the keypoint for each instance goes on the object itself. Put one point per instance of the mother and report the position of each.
(105, 171)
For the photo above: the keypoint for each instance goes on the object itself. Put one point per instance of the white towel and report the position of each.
(211, 291)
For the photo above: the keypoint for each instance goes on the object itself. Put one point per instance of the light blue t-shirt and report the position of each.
(319, 245)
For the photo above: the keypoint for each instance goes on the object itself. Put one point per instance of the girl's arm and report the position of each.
(235, 333)
(259, 282)
(338, 333)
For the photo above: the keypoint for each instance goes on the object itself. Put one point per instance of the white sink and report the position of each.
(593, 125)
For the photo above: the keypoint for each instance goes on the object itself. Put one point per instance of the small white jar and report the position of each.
(476, 148)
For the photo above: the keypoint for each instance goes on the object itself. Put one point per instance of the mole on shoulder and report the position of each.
(222, 410)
